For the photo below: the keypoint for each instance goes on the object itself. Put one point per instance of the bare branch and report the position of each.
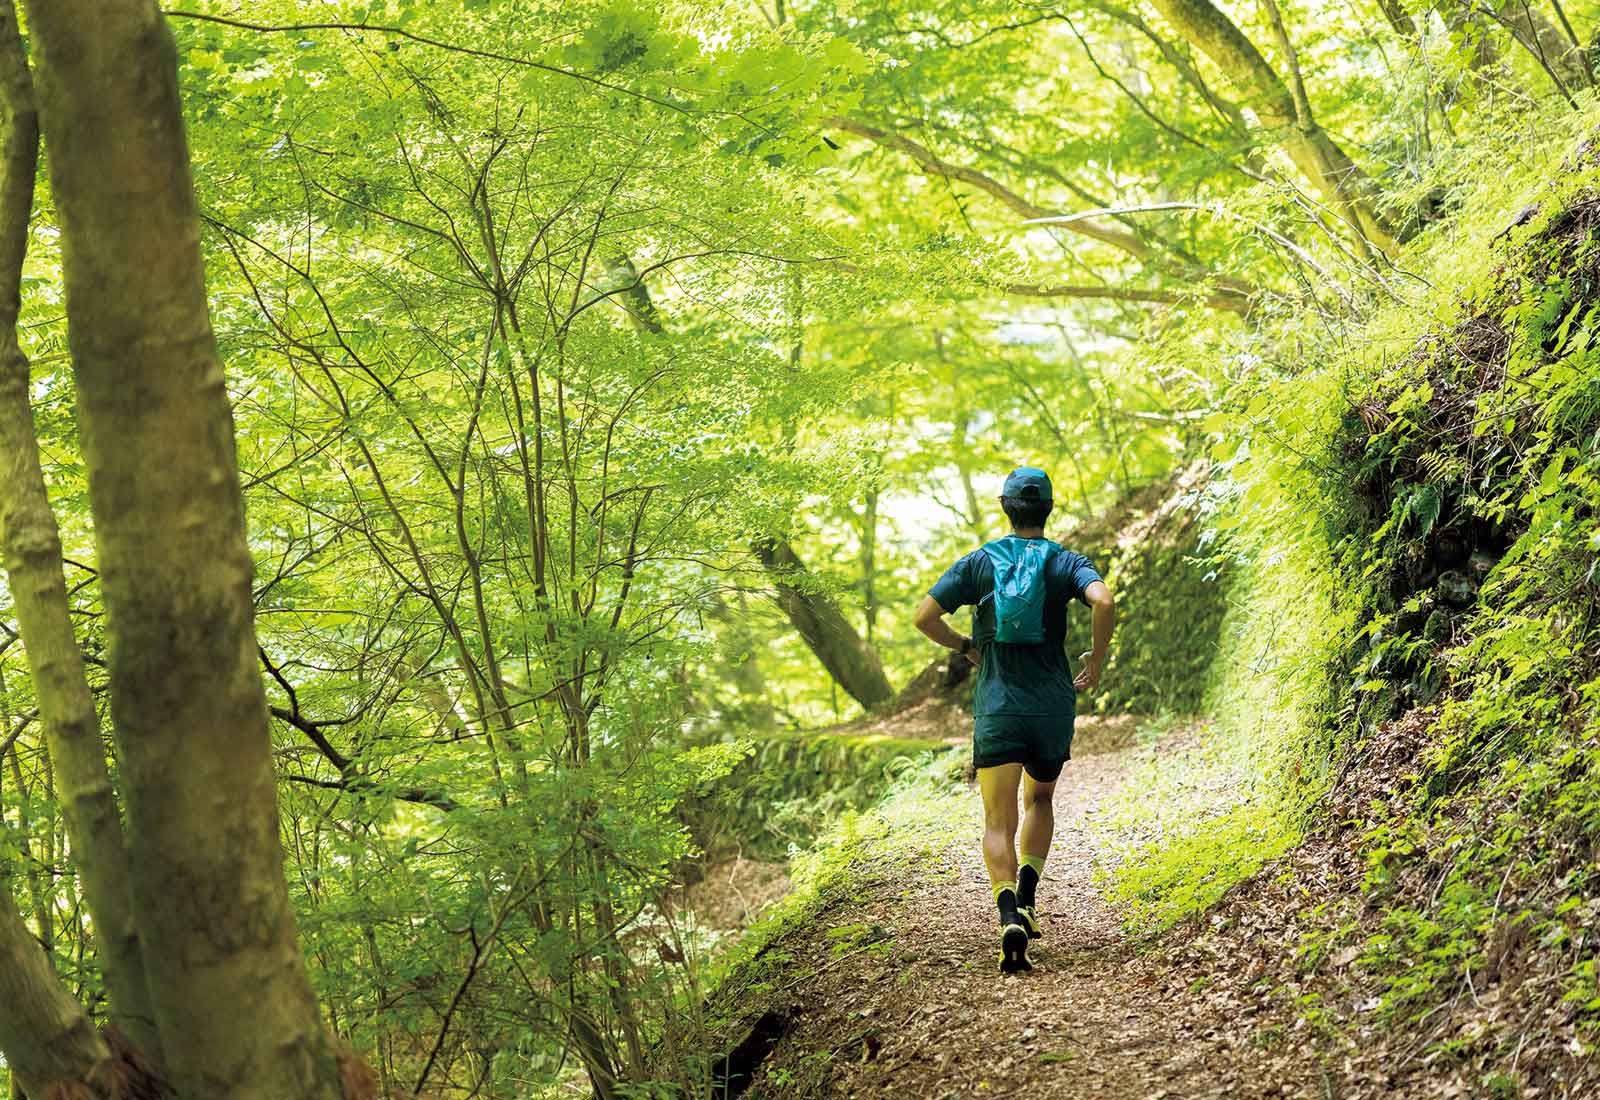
(1233, 303)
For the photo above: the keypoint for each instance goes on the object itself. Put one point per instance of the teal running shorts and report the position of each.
(1041, 743)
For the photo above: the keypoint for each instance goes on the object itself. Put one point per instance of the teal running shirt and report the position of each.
(1019, 679)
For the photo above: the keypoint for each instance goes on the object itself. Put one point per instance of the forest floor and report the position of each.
(899, 990)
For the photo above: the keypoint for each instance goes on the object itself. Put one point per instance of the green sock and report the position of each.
(1005, 899)
(1028, 880)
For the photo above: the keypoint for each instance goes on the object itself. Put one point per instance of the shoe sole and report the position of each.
(1014, 950)
(1030, 923)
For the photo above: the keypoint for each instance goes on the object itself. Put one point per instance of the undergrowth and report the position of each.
(863, 854)
(789, 786)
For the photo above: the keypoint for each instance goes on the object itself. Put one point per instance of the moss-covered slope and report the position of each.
(1426, 562)
(1170, 598)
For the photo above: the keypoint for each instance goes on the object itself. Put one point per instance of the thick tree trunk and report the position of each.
(1562, 60)
(626, 283)
(232, 1000)
(849, 660)
(30, 547)
(45, 1035)
(1399, 19)
(1342, 184)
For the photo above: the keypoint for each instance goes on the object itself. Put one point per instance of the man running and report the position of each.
(1026, 696)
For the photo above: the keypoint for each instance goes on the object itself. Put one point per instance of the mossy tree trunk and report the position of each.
(1337, 178)
(816, 616)
(231, 996)
(45, 1034)
(30, 547)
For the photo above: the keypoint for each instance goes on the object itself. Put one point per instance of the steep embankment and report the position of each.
(1171, 597)
(1422, 553)
(1440, 916)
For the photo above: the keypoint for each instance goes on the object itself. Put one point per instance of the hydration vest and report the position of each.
(1019, 588)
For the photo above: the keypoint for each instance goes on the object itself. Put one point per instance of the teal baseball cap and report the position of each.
(1028, 483)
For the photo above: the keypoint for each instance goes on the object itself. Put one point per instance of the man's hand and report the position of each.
(1089, 677)
(975, 655)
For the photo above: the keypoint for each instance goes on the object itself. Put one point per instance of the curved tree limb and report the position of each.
(350, 778)
(1230, 303)
(1318, 157)
(1123, 240)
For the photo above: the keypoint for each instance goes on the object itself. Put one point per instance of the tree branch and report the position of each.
(1232, 303)
(419, 795)
(1084, 225)
(348, 779)
(400, 32)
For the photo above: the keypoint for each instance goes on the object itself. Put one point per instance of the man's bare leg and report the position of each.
(1038, 817)
(1038, 826)
(999, 787)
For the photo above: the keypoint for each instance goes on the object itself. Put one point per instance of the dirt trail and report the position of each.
(930, 1018)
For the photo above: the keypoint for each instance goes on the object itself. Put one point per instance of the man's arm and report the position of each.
(930, 620)
(1105, 618)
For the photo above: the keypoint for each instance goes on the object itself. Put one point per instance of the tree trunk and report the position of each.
(1561, 58)
(232, 1000)
(46, 1036)
(849, 660)
(30, 546)
(1318, 157)
(869, 565)
(625, 282)
(1400, 19)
